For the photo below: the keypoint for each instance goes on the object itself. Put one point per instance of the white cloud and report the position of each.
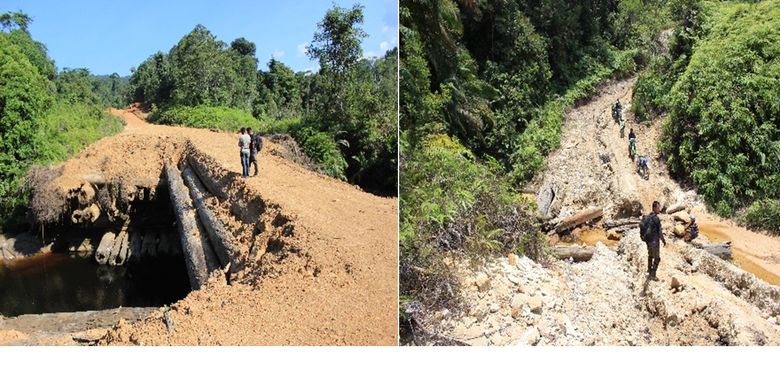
(384, 46)
(301, 49)
(278, 54)
(385, 29)
(369, 54)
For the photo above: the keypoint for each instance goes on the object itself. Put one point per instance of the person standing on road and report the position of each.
(254, 149)
(244, 142)
(652, 234)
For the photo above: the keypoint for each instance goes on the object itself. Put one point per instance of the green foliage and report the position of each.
(336, 43)
(722, 129)
(764, 214)
(222, 118)
(40, 121)
(348, 108)
(70, 127)
(453, 203)
(24, 99)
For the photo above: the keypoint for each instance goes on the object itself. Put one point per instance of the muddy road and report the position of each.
(699, 299)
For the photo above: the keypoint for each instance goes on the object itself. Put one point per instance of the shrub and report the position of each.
(454, 205)
(764, 214)
(722, 129)
(206, 117)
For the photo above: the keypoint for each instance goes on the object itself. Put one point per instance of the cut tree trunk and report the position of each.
(578, 219)
(221, 238)
(722, 249)
(104, 248)
(577, 253)
(201, 259)
(631, 222)
(202, 173)
(675, 208)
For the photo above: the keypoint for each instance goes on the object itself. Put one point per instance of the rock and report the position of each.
(514, 279)
(494, 307)
(517, 305)
(553, 239)
(535, 304)
(482, 281)
(682, 216)
(531, 336)
(614, 236)
(512, 259)
(772, 320)
(679, 230)
(676, 285)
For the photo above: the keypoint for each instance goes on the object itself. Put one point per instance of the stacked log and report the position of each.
(104, 248)
(201, 259)
(221, 239)
(203, 174)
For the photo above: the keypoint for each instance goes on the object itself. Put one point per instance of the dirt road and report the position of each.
(329, 279)
(608, 300)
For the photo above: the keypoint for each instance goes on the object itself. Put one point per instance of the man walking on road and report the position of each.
(254, 149)
(244, 142)
(652, 234)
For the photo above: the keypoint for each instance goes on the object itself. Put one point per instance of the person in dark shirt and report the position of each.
(654, 239)
(254, 149)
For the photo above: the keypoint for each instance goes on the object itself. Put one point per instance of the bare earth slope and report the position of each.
(329, 278)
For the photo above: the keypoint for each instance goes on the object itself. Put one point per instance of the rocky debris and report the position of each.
(682, 216)
(512, 259)
(482, 282)
(676, 286)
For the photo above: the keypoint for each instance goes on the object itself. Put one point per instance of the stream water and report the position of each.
(56, 282)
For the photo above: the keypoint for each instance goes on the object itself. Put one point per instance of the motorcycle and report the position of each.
(632, 148)
(622, 128)
(642, 169)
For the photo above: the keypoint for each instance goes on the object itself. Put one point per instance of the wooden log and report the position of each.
(578, 219)
(633, 222)
(104, 248)
(134, 246)
(198, 252)
(220, 237)
(722, 249)
(86, 194)
(119, 250)
(675, 208)
(577, 253)
(117, 247)
(200, 169)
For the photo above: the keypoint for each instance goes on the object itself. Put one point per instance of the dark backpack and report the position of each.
(257, 143)
(647, 228)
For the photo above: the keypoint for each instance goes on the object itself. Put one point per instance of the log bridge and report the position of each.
(126, 234)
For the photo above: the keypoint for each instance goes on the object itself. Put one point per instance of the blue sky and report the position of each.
(113, 36)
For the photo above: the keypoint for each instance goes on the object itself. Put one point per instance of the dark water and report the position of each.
(60, 283)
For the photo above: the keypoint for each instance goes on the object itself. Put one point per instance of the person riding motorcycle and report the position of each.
(631, 143)
(617, 111)
(642, 168)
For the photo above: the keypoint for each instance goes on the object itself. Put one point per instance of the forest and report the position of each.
(344, 116)
(46, 115)
(484, 87)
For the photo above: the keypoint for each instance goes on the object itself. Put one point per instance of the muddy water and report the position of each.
(53, 283)
(745, 258)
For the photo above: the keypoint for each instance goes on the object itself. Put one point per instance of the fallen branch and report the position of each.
(578, 219)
